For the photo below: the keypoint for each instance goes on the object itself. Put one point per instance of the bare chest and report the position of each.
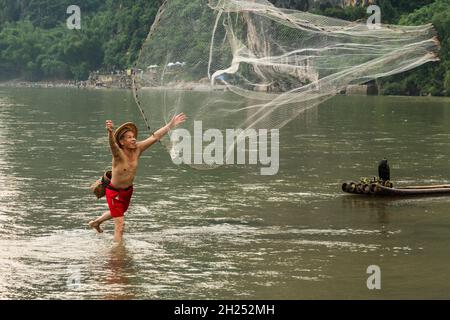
(125, 166)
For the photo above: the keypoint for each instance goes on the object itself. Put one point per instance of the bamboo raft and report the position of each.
(387, 189)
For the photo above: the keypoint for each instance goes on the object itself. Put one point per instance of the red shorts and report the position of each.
(118, 200)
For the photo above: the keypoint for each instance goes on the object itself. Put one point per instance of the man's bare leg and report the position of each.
(95, 224)
(119, 224)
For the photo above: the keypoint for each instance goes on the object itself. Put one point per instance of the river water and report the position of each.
(228, 233)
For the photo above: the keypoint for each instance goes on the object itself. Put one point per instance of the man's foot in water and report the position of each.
(96, 226)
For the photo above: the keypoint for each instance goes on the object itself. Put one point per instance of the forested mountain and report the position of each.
(35, 43)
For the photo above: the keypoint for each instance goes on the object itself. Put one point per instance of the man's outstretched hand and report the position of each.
(109, 125)
(177, 120)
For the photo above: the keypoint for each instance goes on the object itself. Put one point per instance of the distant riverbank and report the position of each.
(95, 84)
(114, 82)
(45, 84)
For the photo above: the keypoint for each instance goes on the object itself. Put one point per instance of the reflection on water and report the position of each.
(378, 205)
(120, 272)
(226, 233)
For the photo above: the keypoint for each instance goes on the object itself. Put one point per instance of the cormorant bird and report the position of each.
(384, 172)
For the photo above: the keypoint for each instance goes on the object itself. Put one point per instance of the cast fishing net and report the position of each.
(250, 65)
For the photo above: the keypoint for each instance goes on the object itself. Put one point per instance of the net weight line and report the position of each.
(133, 72)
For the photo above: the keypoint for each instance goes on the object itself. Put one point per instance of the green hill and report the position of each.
(35, 43)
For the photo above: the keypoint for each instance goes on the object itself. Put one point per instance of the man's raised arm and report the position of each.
(157, 135)
(115, 150)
